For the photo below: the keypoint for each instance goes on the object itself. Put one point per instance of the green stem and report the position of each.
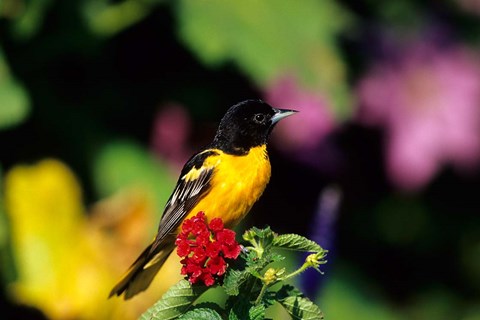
(261, 294)
(304, 267)
(256, 247)
(251, 285)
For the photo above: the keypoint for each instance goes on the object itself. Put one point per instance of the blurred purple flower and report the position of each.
(303, 136)
(429, 103)
(171, 130)
(322, 232)
(306, 129)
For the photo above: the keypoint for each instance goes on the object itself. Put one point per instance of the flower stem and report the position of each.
(304, 267)
(261, 294)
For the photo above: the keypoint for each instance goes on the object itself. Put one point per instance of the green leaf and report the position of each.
(201, 314)
(124, 164)
(287, 291)
(7, 263)
(301, 308)
(15, 104)
(233, 316)
(256, 312)
(275, 257)
(295, 242)
(175, 302)
(255, 264)
(209, 304)
(269, 298)
(29, 21)
(251, 258)
(260, 239)
(234, 279)
(106, 19)
(14, 99)
(240, 309)
(269, 38)
(244, 309)
(262, 233)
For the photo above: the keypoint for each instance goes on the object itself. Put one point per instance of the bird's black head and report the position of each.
(247, 124)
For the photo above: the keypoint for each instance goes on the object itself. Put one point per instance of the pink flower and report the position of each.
(429, 104)
(171, 130)
(307, 128)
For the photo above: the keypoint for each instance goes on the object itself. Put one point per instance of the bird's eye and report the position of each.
(260, 118)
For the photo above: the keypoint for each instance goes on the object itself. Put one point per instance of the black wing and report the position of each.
(193, 184)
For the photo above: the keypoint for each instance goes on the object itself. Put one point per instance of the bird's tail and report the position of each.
(142, 271)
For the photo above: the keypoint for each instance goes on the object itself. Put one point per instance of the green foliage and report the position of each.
(3, 218)
(123, 164)
(14, 99)
(233, 280)
(301, 308)
(287, 291)
(27, 22)
(257, 312)
(296, 242)
(106, 19)
(397, 228)
(271, 38)
(249, 284)
(233, 316)
(201, 314)
(7, 267)
(175, 302)
(239, 309)
(348, 295)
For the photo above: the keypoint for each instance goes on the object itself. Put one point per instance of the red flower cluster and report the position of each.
(204, 248)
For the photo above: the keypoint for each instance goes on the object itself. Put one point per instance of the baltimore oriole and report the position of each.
(224, 180)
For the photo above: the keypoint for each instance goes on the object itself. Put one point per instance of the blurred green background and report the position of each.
(101, 103)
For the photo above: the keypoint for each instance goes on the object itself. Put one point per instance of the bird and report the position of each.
(223, 180)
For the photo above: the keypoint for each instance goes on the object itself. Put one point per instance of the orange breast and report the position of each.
(237, 183)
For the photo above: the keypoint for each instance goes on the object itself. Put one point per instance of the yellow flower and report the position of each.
(272, 275)
(67, 261)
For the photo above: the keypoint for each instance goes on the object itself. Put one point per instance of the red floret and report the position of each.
(204, 248)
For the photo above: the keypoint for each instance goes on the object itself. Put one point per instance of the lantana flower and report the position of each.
(204, 248)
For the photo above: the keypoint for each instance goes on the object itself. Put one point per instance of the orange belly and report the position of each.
(237, 183)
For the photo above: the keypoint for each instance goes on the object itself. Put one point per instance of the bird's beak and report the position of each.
(280, 114)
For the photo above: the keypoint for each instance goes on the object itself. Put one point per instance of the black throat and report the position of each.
(238, 147)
